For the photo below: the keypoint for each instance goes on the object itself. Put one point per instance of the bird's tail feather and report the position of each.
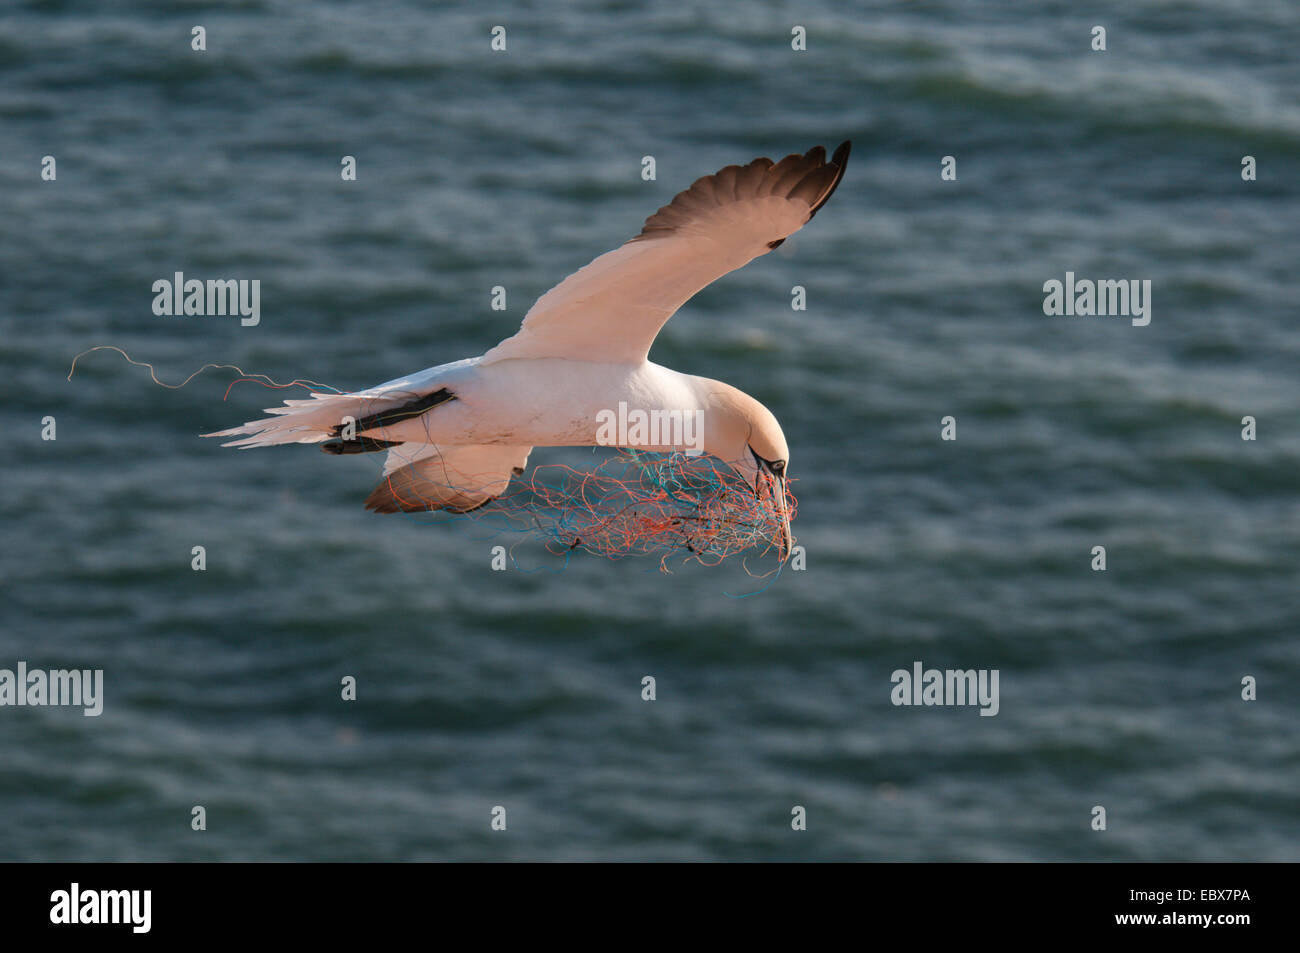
(325, 416)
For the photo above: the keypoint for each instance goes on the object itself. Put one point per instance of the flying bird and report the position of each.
(455, 434)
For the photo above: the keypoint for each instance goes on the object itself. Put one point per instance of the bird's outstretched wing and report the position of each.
(612, 309)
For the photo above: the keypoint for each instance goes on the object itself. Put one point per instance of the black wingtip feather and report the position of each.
(840, 159)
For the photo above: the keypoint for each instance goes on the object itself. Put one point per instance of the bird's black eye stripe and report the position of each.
(775, 466)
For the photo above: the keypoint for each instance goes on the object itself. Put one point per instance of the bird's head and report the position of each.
(745, 434)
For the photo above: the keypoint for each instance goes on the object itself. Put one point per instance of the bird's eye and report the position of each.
(775, 467)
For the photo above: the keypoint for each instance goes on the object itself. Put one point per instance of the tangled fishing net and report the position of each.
(633, 503)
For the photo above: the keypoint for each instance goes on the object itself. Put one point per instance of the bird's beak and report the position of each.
(787, 539)
(777, 487)
(764, 473)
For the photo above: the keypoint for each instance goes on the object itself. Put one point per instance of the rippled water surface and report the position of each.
(523, 689)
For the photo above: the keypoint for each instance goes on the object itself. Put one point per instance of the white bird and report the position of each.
(456, 433)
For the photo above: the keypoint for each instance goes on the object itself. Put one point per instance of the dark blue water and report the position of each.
(479, 688)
